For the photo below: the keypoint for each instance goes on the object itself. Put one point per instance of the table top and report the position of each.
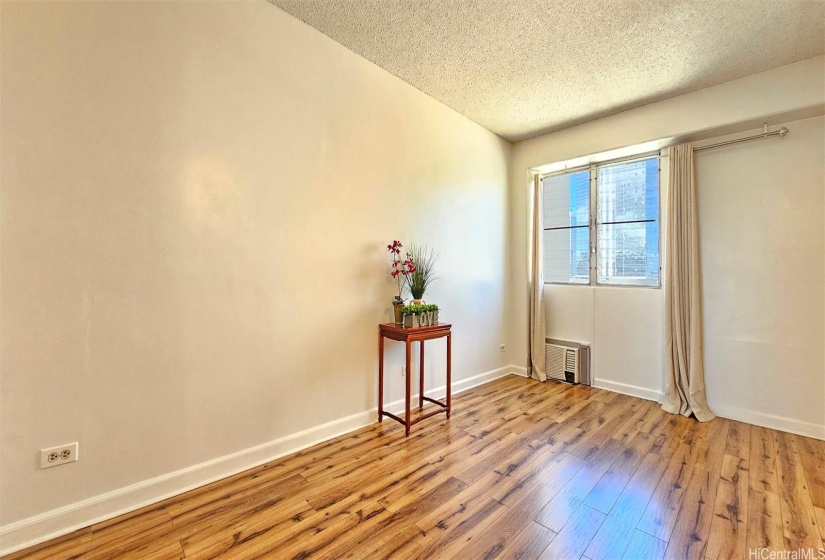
(394, 330)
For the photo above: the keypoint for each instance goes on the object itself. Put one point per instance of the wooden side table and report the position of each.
(408, 336)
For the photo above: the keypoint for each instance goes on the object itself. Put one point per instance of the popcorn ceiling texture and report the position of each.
(524, 68)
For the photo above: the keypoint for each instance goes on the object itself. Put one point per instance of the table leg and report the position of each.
(380, 377)
(449, 372)
(407, 399)
(421, 375)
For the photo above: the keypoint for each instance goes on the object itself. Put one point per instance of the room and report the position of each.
(198, 205)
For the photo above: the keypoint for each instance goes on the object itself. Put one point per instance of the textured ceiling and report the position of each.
(525, 67)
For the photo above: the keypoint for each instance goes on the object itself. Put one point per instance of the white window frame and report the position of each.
(594, 226)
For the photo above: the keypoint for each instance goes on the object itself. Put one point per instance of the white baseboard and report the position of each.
(773, 421)
(45, 526)
(625, 389)
(518, 370)
(40, 528)
(781, 423)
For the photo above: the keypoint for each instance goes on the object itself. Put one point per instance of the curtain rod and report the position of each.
(781, 133)
(662, 152)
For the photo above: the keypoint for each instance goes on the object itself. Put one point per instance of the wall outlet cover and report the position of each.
(60, 455)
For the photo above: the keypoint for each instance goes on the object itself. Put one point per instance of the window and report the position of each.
(567, 228)
(612, 242)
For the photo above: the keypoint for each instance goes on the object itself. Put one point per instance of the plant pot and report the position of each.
(428, 319)
(412, 321)
(417, 301)
(398, 311)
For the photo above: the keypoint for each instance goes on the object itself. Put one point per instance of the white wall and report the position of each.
(196, 199)
(761, 216)
(624, 324)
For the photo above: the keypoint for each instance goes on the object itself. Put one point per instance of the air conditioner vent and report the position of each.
(554, 361)
(570, 361)
(567, 361)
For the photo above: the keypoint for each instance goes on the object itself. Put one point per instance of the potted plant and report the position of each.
(420, 315)
(412, 315)
(423, 272)
(431, 311)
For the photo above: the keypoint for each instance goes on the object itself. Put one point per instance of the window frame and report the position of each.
(593, 168)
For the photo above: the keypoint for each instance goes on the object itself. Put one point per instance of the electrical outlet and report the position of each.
(403, 371)
(59, 455)
(501, 348)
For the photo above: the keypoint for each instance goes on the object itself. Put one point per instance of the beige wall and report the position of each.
(196, 199)
(624, 325)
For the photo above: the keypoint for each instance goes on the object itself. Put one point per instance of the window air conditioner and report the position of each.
(567, 361)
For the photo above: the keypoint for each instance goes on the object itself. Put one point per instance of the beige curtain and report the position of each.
(537, 286)
(684, 372)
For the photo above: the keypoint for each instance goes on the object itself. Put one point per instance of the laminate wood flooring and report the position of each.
(522, 470)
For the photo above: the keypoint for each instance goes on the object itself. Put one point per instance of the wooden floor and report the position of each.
(522, 470)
